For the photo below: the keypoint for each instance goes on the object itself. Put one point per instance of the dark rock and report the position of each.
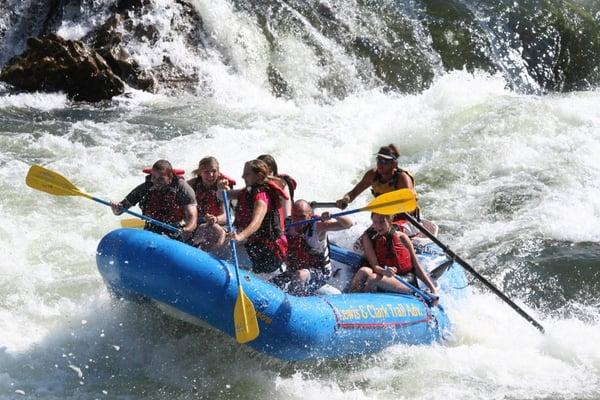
(107, 41)
(279, 85)
(54, 64)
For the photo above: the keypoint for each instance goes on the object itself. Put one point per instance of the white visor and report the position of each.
(386, 156)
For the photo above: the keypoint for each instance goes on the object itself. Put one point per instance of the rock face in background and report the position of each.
(311, 47)
(54, 64)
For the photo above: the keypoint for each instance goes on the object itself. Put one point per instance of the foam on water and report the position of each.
(494, 168)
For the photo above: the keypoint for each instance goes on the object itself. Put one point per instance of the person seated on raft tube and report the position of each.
(165, 197)
(288, 183)
(389, 252)
(209, 235)
(385, 177)
(258, 217)
(307, 261)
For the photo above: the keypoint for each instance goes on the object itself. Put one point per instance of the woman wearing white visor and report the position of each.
(385, 177)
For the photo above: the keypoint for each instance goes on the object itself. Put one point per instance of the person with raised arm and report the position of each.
(165, 197)
(308, 264)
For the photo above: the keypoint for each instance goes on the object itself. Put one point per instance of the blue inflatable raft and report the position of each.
(140, 264)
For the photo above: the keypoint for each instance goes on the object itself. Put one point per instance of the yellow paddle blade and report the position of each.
(391, 203)
(132, 223)
(48, 181)
(244, 318)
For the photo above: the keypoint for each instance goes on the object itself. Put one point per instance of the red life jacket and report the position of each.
(161, 204)
(206, 196)
(391, 252)
(300, 255)
(291, 182)
(270, 233)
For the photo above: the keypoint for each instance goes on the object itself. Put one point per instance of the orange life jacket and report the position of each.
(378, 187)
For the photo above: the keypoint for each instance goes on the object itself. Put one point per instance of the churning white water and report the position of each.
(508, 177)
(512, 179)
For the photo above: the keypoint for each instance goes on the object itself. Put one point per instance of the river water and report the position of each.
(511, 177)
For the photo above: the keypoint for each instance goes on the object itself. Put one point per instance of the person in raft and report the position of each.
(388, 252)
(209, 234)
(165, 197)
(384, 178)
(259, 218)
(288, 184)
(308, 264)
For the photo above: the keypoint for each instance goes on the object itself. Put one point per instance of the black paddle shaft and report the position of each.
(476, 274)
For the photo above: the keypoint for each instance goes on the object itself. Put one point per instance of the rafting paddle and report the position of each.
(48, 181)
(132, 223)
(244, 315)
(391, 203)
(466, 266)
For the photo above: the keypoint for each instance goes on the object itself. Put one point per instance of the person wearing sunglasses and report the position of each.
(385, 177)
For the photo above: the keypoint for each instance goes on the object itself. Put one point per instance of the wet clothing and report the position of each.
(390, 251)
(267, 247)
(378, 188)
(206, 196)
(291, 183)
(306, 251)
(165, 204)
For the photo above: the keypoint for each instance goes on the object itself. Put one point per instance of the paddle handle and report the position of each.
(317, 219)
(466, 266)
(140, 216)
(427, 297)
(231, 242)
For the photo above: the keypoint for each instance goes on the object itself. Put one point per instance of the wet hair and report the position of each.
(270, 161)
(389, 150)
(204, 163)
(259, 167)
(163, 166)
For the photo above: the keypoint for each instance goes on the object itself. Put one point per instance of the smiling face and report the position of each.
(209, 174)
(381, 223)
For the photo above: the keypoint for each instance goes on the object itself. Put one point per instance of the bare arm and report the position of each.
(331, 225)
(259, 213)
(404, 181)
(420, 272)
(360, 187)
(370, 254)
(190, 217)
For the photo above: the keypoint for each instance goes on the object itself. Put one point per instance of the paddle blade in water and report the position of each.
(51, 182)
(132, 223)
(391, 203)
(244, 318)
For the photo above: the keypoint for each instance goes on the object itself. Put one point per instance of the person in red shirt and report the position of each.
(259, 217)
(389, 252)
